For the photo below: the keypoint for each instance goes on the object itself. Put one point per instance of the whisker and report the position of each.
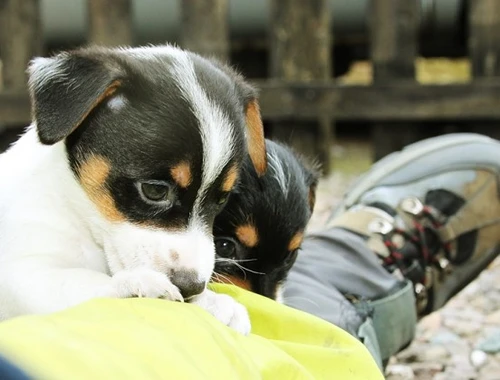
(220, 259)
(244, 269)
(220, 276)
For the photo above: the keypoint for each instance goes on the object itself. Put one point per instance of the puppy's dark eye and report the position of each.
(157, 192)
(225, 248)
(222, 199)
(154, 192)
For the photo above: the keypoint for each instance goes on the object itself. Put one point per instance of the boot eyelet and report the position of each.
(380, 226)
(412, 206)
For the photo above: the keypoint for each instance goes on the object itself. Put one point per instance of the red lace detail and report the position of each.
(417, 236)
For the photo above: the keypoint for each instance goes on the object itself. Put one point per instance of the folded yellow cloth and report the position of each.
(144, 338)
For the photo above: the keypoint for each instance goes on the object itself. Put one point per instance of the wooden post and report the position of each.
(484, 37)
(300, 48)
(484, 48)
(19, 40)
(110, 22)
(205, 27)
(19, 43)
(394, 47)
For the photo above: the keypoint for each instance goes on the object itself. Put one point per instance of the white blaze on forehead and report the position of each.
(216, 128)
(279, 172)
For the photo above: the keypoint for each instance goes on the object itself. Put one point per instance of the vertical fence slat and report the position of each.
(300, 49)
(110, 22)
(484, 37)
(205, 27)
(484, 49)
(394, 47)
(19, 40)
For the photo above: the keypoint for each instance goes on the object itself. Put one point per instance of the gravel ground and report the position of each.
(460, 341)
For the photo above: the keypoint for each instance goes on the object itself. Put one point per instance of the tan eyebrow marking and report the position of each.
(247, 234)
(230, 179)
(181, 173)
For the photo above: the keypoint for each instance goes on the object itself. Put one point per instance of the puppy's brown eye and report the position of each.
(157, 192)
(154, 192)
(222, 199)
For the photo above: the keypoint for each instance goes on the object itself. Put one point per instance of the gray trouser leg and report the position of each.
(337, 278)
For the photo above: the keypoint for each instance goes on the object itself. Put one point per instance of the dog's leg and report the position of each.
(49, 289)
(225, 309)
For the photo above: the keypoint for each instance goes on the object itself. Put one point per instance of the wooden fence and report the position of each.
(300, 94)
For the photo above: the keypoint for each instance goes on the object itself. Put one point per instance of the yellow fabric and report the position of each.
(154, 339)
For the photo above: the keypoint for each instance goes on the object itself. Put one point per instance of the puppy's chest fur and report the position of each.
(43, 208)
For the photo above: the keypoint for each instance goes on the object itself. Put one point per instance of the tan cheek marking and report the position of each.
(232, 280)
(296, 241)
(247, 235)
(230, 179)
(256, 140)
(93, 174)
(182, 174)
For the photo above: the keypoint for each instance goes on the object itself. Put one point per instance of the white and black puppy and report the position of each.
(113, 189)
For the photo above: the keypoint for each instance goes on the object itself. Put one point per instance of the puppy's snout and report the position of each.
(188, 283)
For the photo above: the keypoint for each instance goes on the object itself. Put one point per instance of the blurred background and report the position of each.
(343, 81)
(303, 55)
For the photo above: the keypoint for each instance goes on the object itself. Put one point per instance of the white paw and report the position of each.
(225, 309)
(142, 282)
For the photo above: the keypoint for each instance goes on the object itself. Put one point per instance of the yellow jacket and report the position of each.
(144, 339)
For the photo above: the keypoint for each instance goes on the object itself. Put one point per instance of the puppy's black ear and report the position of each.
(255, 137)
(64, 89)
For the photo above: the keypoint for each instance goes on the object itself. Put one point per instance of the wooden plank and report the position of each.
(19, 40)
(484, 48)
(394, 46)
(110, 22)
(205, 27)
(394, 102)
(300, 50)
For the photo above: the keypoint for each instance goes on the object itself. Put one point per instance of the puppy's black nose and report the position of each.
(188, 283)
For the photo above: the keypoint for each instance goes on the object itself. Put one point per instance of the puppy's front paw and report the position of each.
(225, 309)
(142, 282)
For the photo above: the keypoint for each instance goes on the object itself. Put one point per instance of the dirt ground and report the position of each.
(460, 341)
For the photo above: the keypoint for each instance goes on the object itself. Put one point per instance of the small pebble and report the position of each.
(491, 344)
(433, 353)
(444, 337)
(399, 372)
(478, 358)
(494, 318)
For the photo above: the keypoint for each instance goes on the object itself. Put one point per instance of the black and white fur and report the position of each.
(107, 124)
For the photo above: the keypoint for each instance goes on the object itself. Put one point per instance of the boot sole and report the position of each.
(396, 160)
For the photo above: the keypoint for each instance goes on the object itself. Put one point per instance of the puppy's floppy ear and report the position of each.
(64, 89)
(255, 137)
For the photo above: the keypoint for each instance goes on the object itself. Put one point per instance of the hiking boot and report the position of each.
(431, 213)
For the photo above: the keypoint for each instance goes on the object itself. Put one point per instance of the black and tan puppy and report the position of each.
(259, 232)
